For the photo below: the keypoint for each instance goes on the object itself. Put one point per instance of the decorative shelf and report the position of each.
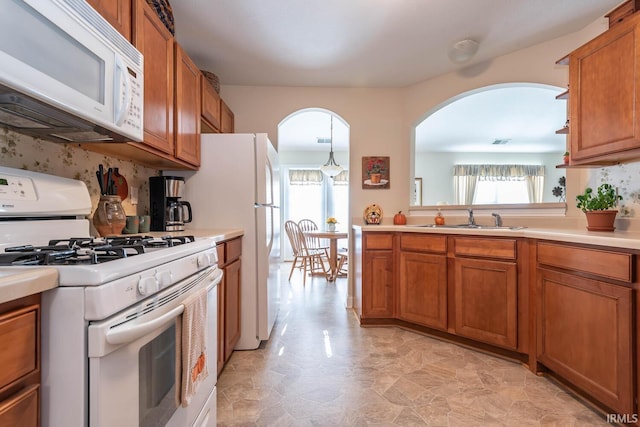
(563, 95)
(563, 131)
(563, 60)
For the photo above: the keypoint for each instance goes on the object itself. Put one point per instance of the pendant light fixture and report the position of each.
(331, 168)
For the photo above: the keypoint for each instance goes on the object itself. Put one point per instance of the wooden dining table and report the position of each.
(333, 237)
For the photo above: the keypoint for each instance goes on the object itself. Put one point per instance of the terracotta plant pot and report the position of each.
(601, 220)
(375, 178)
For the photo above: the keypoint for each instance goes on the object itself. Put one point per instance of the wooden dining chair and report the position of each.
(343, 259)
(308, 260)
(313, 243)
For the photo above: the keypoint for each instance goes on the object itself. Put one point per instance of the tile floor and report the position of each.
(320, 368)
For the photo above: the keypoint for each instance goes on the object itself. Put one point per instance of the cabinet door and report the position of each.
(486, 301)
(117, 12)
(221, 316)
(187, 112)
(210, 107)
(377, 283)
(603, 75)
(155, 42)
(226, 118)
(423, 289)
(232, 307)
(21, 409)
(585, 335)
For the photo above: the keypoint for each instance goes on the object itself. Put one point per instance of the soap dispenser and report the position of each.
(439, 219)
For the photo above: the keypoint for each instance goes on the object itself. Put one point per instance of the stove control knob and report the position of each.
(204, 260)
(164, 278)
(148, 286)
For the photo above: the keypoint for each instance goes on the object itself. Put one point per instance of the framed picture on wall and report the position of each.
(375, 173)
(417, 192)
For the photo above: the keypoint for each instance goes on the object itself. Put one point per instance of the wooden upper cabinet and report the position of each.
(155, 42)
(604, 93)
(210, 107)
(187, 112)
(117, 12)
(226, 118)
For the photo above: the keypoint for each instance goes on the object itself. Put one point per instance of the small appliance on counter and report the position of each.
(168, 212)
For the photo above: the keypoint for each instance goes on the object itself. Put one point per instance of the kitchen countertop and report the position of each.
(218, 234)
(18, 282)
(616, 239)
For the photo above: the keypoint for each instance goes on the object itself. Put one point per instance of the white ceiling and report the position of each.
(377, 43)
(365, 43)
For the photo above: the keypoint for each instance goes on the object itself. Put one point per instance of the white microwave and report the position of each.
(67, 75)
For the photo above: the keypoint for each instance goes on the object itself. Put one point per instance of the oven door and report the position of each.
(134, 370)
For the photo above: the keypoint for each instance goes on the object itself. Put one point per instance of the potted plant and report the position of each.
(565, 157)
(599, 207)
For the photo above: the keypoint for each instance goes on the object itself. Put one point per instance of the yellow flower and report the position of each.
(332, 220)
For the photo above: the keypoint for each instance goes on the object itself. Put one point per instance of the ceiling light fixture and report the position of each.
(331, 168)
(463, 50)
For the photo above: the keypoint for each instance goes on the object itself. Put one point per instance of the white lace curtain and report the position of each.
(466, 178)
(315, 177)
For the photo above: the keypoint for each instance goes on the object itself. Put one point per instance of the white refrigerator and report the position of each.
(238, 186)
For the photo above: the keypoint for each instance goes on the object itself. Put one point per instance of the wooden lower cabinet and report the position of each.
(232, 307)
(585, 336)
(378, 295)
(229, 260)
(486, 301)
(423, 281)
(20, 361)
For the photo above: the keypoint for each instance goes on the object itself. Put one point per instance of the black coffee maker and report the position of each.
(168, 212)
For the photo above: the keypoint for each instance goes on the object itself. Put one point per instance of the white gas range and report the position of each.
(112, 332)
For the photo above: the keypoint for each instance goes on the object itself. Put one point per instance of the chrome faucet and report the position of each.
(472, 220)
(498, 219)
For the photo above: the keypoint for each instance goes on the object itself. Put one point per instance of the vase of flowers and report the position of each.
(331, 223)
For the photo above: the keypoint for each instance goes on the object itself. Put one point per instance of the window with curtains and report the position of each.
(309, 194)
(489, 184)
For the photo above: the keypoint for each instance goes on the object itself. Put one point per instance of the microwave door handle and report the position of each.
(127, 334)
(121, 75)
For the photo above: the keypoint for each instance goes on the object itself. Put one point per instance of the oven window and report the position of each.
(157, 396)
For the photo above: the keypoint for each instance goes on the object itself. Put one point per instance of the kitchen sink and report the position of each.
(474, 226)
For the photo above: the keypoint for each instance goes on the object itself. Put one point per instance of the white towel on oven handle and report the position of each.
(194, 345)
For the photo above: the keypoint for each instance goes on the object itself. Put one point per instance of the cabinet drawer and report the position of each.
(234, 249)
(422, 243)
(378, 241)
(20, 328)
(483, 247)
(612, 265)
(221, 250)
(21, 409)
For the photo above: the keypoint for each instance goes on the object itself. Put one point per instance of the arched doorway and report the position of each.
(305, 139)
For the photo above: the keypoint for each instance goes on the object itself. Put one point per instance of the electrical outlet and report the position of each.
(133, 195)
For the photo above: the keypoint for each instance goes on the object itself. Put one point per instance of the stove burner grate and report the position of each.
(87, 250)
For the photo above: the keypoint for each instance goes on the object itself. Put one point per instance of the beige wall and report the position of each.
(381, 120)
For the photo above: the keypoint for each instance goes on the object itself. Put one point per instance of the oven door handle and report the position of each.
(127, 334)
